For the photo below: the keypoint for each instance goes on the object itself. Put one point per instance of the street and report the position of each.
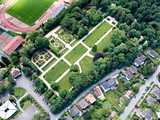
(139, 95)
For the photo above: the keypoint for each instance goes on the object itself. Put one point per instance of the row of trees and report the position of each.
(6, 81)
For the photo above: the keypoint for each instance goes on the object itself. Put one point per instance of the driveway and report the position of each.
(27, 114)
(28, 86)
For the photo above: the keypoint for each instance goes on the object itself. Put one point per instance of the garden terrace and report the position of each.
(56, 72)
(97, 34)
(76, 53)
(87, 64)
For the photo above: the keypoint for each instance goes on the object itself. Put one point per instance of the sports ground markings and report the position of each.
(87, 53)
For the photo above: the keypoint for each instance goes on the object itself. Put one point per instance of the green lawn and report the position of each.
(97, 34)
(19, 92)
(87, 64)
(64, 84)
(28, 11)
(76, 53)
(106, 42)
(56, 72)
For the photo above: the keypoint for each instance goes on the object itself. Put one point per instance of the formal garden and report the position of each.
(56, 46)
(79, 54)
(66, 36)
(41, 57)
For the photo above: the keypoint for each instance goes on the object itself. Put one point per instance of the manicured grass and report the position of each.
(49, 64)
(19, 92)
(28, 11)
(56, 72)
(106, 42)
(97, 34)
(64, 84)
(87, 64)
(76, 53)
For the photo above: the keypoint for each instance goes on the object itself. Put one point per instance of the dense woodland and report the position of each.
(136, 18)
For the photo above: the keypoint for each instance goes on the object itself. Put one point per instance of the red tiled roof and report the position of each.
(13, 45)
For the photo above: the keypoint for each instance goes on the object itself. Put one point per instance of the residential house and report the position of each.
(82, 104)
(15, 73)
(148, 114)
(140, 60)
(152, 53)
(112, 115)
(68, 117)
(7, 110)
(158, 115)
(98, 92)
(128, 94)
(109, 84)
(74, 111)
(129, 72)
(156, 92)
(150, 100)
(90, 98)
(140, 113)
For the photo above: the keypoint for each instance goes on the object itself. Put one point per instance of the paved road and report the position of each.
(28, 114)
(139, 95)
(28, 85)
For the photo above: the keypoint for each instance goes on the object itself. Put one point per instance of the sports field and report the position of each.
(28, 11)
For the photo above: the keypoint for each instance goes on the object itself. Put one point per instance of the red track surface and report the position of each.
(20, 28)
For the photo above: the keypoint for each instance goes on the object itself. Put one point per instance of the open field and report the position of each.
(86, 64)
(106, 42)
(97, 34)
(56, 72)
(28, 11)
(76, 53)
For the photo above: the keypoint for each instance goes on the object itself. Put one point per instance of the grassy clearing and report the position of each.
(106, 42)
(56, 72)
(49, 64)
(114, 100)
(64, 84)
(87, 64)
(76, 53)
(28, 11)
(97, 34)
(19, 92)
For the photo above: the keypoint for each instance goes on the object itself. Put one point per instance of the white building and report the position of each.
(7, 110)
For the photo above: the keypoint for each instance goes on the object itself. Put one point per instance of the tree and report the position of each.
(55, 86)
(40, 87)
(82, 31)
(5, 60)
(15, 58)
(94, 48)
